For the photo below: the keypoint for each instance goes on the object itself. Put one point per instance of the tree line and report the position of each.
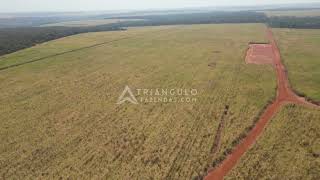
(294, 22)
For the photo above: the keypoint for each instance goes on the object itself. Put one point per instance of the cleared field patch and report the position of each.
(288, 149)
(59, 116)
(300, 53)
(84, 23)
(296, 13)
(259, 54)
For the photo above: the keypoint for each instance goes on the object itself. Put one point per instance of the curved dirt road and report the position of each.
(284, 95)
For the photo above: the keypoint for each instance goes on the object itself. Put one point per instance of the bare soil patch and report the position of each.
(259, 54)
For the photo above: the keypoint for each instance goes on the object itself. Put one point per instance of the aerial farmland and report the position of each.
(192, 94)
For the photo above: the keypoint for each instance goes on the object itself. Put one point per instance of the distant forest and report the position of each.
(14, 39)
(225, 17)
(197, 18)
(294, 22)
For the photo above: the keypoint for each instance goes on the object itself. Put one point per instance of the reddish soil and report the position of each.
(284, 96)
(259, 54)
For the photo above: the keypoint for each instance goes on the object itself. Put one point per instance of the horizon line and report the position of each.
(172, 8)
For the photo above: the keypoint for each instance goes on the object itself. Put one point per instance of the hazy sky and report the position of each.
(90, 5)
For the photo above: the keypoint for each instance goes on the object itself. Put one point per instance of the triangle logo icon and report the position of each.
(127, 95)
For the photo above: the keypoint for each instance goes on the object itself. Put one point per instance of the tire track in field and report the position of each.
(285, 95)
(217, 140)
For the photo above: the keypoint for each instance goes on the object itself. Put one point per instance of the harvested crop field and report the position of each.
(60, 118)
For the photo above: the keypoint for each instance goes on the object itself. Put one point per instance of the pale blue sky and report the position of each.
(94, 5)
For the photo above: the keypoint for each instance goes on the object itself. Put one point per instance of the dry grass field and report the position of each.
(300, 53)
(59, 116)
(288, 149)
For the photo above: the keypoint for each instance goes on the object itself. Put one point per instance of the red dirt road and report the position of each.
(284, 96)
